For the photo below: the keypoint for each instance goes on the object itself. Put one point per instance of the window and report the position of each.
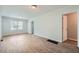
(13, 25)
(20, 25)
(16, 25)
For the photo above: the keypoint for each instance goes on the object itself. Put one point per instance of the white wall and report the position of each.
(0, 28)
(6, 26)
(29, 27)
(49, 25)
(78, 28)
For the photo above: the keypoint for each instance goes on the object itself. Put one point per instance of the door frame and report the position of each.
(32, 27)
(62, 28)
(76, 25)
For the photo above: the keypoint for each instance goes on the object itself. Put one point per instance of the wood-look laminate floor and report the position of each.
(26, 43)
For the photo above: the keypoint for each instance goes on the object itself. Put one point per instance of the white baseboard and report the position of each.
(46, 37)
(72, 39)
(8, 34)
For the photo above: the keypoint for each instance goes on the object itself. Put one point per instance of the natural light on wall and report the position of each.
(20, 25)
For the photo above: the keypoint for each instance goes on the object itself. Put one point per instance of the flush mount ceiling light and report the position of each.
(34, 6)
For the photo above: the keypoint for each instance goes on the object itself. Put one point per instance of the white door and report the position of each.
(64, 28)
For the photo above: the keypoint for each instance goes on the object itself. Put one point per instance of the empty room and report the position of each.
(39, 29)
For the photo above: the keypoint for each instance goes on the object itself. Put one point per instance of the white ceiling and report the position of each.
(26, 11)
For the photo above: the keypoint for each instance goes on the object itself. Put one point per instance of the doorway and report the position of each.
(32, 29)
(70, 28)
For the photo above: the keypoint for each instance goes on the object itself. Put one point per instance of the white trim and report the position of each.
(8, 34)
(72, 39)
(46, 37)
